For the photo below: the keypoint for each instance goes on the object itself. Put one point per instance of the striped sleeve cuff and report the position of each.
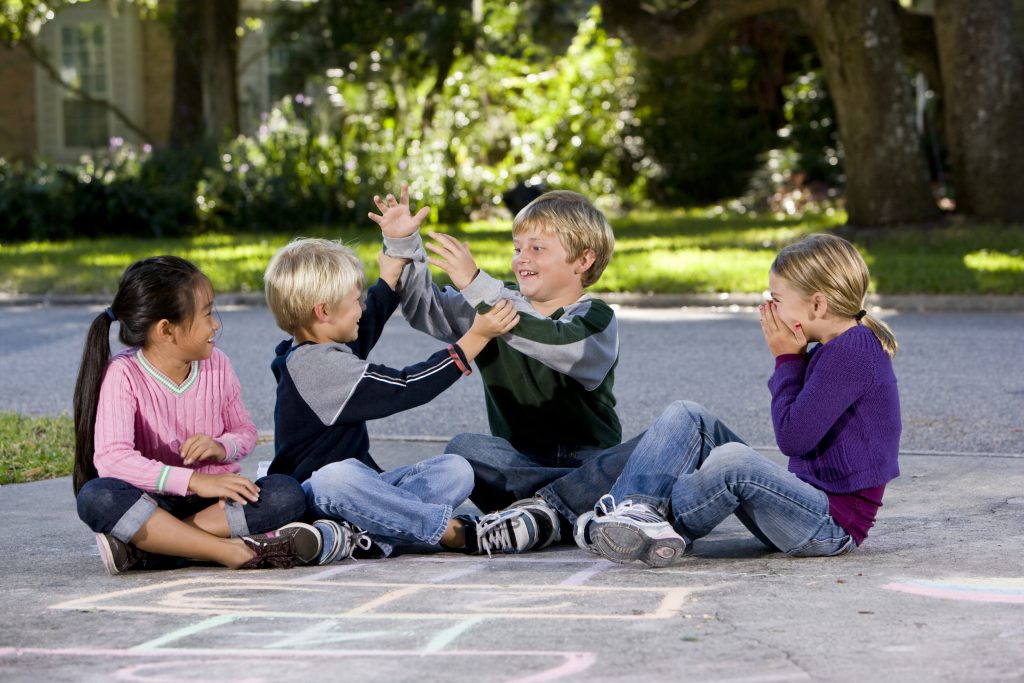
(173, 480)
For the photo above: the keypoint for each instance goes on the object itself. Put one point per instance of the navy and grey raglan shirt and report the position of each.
(549, 382)
(327, 392)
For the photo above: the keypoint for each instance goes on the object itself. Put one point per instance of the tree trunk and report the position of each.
(983, 96)
(187, 106)
(859, 46)
(886, 174)
(219, 39)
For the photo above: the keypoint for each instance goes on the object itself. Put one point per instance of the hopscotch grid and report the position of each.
(668, 605)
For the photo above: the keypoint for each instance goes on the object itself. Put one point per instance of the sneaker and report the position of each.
(634, 531)
(340, 540)
(545, 517)
(117, 555)
(293, 544)
(581, 534)
(512, 530)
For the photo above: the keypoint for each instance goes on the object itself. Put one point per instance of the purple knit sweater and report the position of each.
(837, 417)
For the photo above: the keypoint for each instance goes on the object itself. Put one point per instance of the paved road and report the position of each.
(936, 593)
(961, 374)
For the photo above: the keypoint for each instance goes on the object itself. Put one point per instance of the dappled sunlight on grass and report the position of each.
(676, 251)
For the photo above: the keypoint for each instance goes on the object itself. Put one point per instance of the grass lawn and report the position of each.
(664, 251)
(34, 448)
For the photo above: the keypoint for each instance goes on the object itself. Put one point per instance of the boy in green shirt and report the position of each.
(547, 383)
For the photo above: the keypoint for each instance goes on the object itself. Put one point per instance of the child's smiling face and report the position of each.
(540, 266)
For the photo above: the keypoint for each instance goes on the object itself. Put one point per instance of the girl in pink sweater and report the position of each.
(159, 431)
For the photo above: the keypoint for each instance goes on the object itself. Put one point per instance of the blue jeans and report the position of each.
(571, 480)
(400, 507)
(114, 507)
(696, 472)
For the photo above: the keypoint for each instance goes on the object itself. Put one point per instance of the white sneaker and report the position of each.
(634, 531)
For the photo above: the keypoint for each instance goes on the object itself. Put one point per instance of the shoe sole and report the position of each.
(306, 552)
(624, 543)
(107, 554)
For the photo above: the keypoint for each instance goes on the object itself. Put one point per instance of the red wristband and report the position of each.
(457, 357)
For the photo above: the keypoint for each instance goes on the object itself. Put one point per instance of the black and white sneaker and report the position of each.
(512, 530)
(545, 517)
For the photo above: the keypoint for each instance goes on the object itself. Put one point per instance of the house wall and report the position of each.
(18, 104)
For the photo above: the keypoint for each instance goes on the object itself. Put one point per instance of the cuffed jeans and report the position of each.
(114, 507)
(570, 481)
(400, 507)
(697, 472)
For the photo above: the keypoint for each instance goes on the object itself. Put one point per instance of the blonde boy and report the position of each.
(548, 382)
(326, 390)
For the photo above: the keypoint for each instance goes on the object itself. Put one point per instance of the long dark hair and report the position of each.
(151, 290)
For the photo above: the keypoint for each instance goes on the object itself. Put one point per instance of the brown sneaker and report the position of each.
(117, 555)
(291, 545)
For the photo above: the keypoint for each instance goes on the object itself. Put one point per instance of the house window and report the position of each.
(83, 49)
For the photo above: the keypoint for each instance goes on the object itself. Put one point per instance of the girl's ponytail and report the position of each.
(883, 332)
(87, 395)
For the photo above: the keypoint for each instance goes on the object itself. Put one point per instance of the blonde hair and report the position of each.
(577, 223)
(831, 265)
(307, 272)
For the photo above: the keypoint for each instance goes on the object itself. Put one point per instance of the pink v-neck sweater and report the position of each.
(143, 417)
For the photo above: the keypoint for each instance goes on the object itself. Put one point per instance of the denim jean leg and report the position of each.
(351, 491)
(443, 479)
(114, 507)
(676, 444)
(501, 474)
(781, 508)
(578, 490)
(281, 501)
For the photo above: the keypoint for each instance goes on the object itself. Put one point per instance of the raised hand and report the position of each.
(200, 447)
(502, 317)
(780, 337)
(391, 268)
(454, 258)
(231, 486)
(395, 219)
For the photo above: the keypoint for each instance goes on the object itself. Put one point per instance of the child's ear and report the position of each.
(321, 312)
(164, 330)
(820, 302)
(583, 263)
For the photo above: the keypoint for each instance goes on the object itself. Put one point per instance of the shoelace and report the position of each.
(493, 531)
(357, 539)
(639, 512)
(278, 551)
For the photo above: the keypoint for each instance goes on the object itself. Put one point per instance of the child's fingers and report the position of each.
(376, 218)
(421, 214)
(440, 263)
(390, 200)
(405, 194)
(381, 204)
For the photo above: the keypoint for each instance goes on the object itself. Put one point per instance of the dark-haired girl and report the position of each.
(159, 430)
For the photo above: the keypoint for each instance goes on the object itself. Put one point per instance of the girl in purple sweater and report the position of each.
(836, 413)
(159, 431)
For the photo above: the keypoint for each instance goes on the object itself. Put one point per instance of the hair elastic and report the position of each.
(860, 314)
(110, 314)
